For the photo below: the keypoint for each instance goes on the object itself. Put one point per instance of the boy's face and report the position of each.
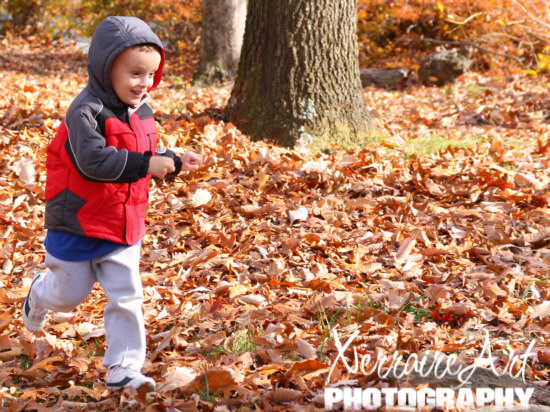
(132, 73)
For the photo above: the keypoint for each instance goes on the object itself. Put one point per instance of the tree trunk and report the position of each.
(221, 40)
(298, 77)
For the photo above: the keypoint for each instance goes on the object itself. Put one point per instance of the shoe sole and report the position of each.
(26, 308)
(123, 383)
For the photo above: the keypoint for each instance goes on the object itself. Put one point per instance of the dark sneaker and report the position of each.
(34, 318)
(119, 377)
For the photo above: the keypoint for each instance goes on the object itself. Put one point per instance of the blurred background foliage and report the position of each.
(391, 32)
(396, 31)
(176, 22)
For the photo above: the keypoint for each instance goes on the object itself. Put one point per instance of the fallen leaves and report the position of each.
(251, 260)
(542, 311)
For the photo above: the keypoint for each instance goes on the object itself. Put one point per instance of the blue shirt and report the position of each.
(70, 247)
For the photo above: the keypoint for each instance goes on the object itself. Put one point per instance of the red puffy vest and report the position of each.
(112, 211)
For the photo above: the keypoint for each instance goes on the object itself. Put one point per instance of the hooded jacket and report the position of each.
(97, 181)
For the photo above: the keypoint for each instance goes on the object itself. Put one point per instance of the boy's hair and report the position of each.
(147, 47)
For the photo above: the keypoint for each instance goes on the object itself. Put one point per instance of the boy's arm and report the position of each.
(94, 160)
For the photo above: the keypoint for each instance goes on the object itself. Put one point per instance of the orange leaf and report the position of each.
(217, 379)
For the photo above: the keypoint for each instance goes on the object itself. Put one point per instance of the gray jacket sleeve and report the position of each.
(92, 158)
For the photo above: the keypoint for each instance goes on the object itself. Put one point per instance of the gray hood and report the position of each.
(112, 37)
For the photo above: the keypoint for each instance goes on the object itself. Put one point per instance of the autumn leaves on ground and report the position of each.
(251, 261)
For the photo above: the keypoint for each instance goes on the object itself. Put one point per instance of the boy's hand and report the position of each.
(160, 166)
(190, 161)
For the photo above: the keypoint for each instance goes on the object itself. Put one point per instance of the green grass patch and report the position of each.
(374, 139)
(476, 90)
(216, 352)
(325, 325)
(26, 362)
(420, 314)
(427, 145)
(205, 394)
(240, 344)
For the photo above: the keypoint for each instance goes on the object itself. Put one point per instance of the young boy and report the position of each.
(98, 170)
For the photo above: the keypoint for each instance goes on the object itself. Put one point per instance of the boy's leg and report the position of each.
(65, 285)
(118, 274)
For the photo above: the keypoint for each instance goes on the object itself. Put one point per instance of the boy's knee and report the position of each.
(70, 301)
(68, 306)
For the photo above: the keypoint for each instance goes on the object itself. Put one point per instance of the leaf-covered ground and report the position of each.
(250, 261)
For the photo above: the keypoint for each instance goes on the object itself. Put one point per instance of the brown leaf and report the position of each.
(178, 378)
(47, 364)
(253, 299)
(218, 379)
(306, 366)
(541, 311)
(397, 299)
(74, 390)
(5, 320)
(10, 354)
(492, 290)
(404, 250)
(254, 210)
(237, 290)
(307, 350)
(285, 395)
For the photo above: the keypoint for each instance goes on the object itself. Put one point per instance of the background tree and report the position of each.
(298, 77)
(221, 40)
(24, 14)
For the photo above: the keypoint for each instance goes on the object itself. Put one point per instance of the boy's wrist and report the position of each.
(161, 151)
(144, 169)
(177, 164)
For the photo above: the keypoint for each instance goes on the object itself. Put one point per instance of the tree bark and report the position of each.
(222, 32)
(298, 77)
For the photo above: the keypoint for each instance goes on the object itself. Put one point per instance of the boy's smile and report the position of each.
(132, 73)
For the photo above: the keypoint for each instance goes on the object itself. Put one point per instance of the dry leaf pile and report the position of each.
(250, 261)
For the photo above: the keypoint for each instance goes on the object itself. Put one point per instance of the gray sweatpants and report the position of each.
(67, 284)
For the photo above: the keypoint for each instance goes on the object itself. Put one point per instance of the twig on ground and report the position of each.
(531, 16)
(538, 37)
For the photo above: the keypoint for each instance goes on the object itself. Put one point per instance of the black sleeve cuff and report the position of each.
(145, 165)
(169, 153)
(177, 164)
(136, 167)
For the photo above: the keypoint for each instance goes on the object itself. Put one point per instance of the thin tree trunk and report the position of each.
(298, 77)
(222, 32)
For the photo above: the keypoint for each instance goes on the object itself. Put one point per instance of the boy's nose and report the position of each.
(144, 81)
